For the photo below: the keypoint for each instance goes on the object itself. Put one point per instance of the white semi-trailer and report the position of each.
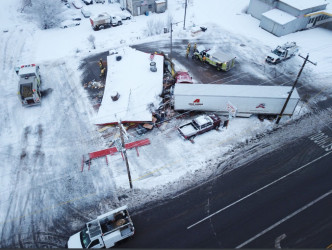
(245, 99)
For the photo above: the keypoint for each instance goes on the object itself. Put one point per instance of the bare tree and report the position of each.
(47, 14)
(154, 27)
(24, 4)
(92, 39)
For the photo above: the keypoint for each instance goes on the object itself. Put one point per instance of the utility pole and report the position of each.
(290, 93)
(123, 149)
(185, 13)
(170, 55)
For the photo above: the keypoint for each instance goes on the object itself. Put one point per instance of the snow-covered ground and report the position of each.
(41, 147)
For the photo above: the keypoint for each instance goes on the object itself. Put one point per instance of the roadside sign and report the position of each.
(231, 109)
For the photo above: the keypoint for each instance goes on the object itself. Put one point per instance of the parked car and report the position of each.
(76, 18)
(69, 23)
(77, 4)
(100, 1)
(124, 15)
(85, 13)
(88, 2)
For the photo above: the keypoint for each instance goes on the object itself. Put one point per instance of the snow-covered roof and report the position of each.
(27, 69)
(304, 4)
(135, 83)
(279, 16)
(234, 90)
(160, 1)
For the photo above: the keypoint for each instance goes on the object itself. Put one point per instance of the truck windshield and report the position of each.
(85, 239)
(277, 52)
(196, 126)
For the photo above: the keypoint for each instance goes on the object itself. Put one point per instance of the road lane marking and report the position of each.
(284, 219)
(322, 140)
(260, 189)
(278, 240)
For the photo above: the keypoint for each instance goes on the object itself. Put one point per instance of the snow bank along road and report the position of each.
(278, 199)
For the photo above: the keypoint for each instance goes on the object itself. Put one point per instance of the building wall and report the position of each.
(140, 7)
(257, 7)
(281, 30)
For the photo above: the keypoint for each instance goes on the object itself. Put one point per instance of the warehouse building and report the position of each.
(282, 17)
(144, 7)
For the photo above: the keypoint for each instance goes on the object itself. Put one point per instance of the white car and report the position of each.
(77, 4)
(87, 2)
(125, 15)
(85, 13)
(68, 23)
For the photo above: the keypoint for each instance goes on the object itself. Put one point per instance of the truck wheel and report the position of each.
(119, 23)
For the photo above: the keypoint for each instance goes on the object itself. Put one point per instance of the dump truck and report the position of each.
(220, 60)
(104, 20)
(199, 125)
(29, 85)
(105, 231)
(282, 53)
(246, 99)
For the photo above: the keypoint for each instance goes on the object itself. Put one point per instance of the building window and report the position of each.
(150, 6)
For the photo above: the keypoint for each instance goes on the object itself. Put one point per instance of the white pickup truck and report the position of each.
(282, 53)
(104, 20)
(104, 231)
(199, 125)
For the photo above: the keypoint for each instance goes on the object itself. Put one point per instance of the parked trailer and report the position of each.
(247, 99)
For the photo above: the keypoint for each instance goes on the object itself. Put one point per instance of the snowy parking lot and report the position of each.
(45, 195)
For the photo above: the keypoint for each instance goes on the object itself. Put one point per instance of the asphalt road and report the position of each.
(281, 199)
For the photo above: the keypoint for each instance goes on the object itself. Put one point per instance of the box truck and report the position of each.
(245, 99)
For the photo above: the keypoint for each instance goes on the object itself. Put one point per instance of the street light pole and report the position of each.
(170, 54)
(185, 13)
(290, 93)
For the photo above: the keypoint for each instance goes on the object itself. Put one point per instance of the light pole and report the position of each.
(185, 12)
(170, 54)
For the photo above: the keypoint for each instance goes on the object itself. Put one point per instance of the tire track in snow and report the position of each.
(15, 181)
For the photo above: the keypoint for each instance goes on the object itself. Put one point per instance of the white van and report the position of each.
(85, 13)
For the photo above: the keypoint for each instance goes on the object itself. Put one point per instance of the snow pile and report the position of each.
(41, 148)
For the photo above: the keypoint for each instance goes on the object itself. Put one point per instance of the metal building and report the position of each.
(281, 17)
(143, 7)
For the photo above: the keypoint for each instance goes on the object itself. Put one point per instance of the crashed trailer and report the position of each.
(247, 99)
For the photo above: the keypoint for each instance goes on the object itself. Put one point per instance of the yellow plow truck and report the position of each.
(222, 61)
